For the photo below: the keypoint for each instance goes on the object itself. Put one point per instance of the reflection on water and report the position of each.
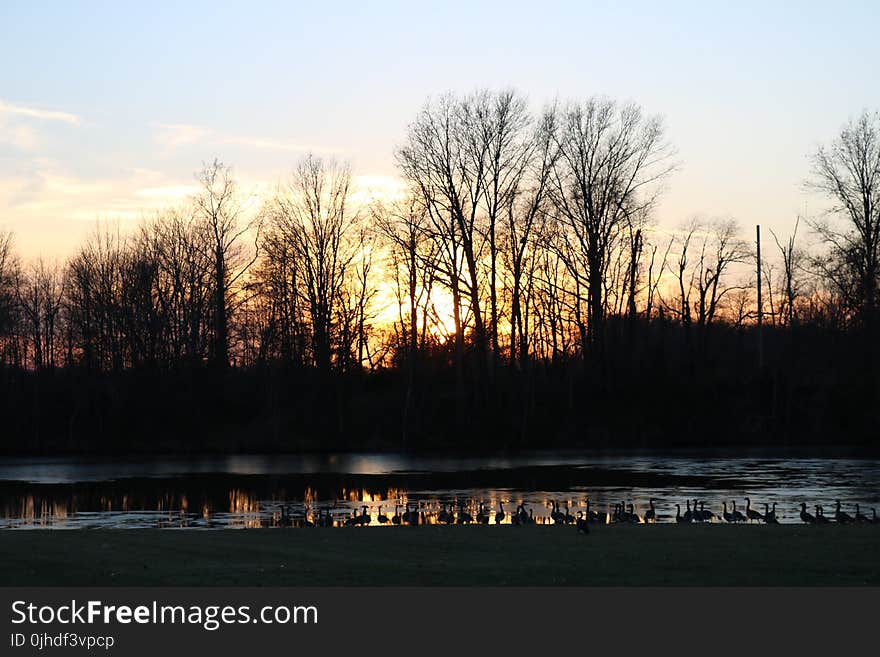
(252, 492)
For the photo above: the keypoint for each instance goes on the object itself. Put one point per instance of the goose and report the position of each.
(859, 517)
(395, 519)
(568, 517)
(751, 514)
(383, 519)
(806, 516)
(582, 524)
(303, 520)
(560, 516)
(697, 514)
(688, 515)
(499, 514)
(737, 516)
(770, 517)
(285, 520)
(521, 514)
(630, 515)
(679, 517)
(411, 516)
(352, 520)
(650, 514)
(820, 515)
(443, 516)
(464, 516)
(365, 517)
(728, 517)
(483, 515)
(592, 516)
(707, 515)
(841, 516)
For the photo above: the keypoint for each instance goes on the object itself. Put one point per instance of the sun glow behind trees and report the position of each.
(512, 234)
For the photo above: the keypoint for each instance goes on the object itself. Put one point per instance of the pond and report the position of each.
(245, 491)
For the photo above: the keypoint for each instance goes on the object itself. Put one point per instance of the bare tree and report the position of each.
(219, 206)
(500, 142)
(10, 272)
(445, 165)
(94, 291)
(702, 276)
(526, 213)
(791, 262)
(611, 159)
(848, 173)
(39, 296)
(181, 245)
(312, 215)
(413, 262)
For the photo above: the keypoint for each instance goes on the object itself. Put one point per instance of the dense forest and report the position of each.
(518, 294)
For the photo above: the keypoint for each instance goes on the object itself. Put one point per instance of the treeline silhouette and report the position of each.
(517, 295)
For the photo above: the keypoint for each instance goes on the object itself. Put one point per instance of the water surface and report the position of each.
(272, 490)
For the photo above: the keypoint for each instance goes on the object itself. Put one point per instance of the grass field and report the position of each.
(657, 555)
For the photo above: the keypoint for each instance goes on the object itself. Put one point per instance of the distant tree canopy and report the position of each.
(524, 240)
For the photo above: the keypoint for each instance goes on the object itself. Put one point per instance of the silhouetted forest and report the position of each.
(517, 294)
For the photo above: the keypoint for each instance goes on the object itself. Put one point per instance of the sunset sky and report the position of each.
(107, 109)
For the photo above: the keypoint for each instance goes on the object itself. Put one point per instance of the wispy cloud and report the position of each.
(21, 136)
(268, 144)
(37, 113)
(174, 135)
(49, 207)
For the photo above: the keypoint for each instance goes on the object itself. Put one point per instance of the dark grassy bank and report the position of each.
(440, 555)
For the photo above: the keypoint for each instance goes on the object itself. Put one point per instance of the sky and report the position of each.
(108, 108)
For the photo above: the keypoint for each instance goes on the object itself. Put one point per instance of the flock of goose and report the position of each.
(769, 515)
(622, 513)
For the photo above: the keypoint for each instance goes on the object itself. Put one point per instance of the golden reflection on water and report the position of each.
(44, 513)
(246, 510)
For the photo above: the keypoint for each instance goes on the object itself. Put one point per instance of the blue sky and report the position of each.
(107, 109)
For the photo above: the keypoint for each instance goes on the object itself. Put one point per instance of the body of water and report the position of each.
(273, 490)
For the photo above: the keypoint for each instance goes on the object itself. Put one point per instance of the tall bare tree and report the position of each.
(499, 143)
(10, 269)
(445, 163)
(312, 214)
(848, 173)
(707, 250)
(219, 206)
(791, 263)
(611, 159)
